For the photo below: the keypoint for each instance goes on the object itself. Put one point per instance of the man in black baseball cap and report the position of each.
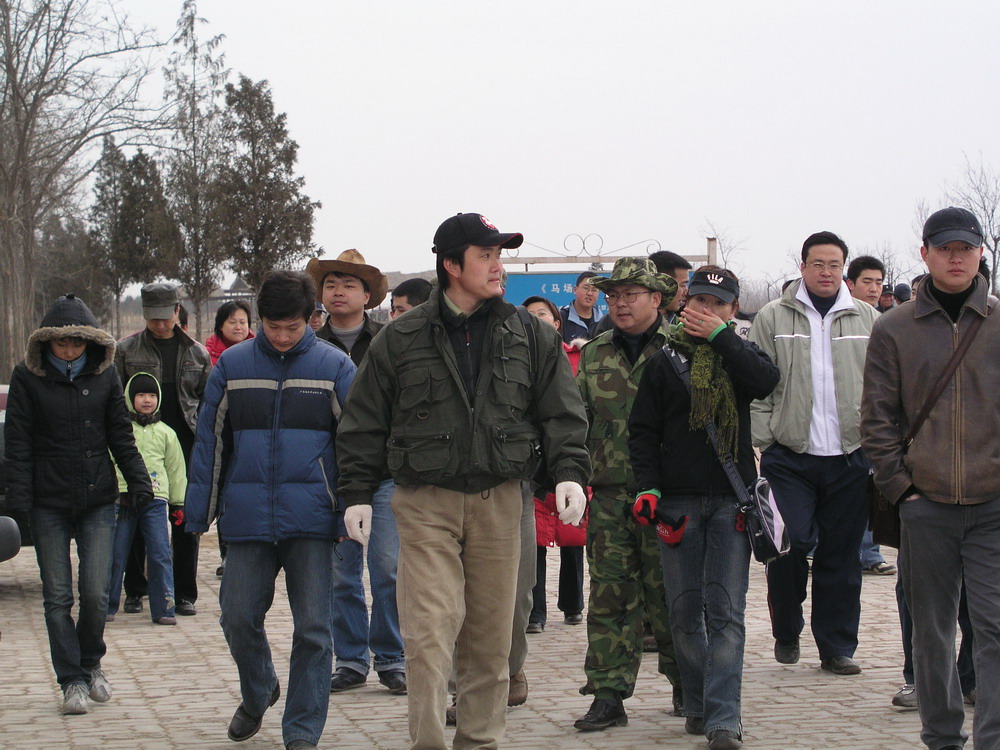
(461, 230)
(953, 224)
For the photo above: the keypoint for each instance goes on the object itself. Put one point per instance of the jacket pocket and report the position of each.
(517, 450)
(511, 383)
(415, 458)
(421, 387)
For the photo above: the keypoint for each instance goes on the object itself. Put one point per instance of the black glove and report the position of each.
(141, 499)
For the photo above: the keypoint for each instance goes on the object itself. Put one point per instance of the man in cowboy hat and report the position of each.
(347, 287)
(626, 580)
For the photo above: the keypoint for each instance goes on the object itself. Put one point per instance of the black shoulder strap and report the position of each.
(525, 316)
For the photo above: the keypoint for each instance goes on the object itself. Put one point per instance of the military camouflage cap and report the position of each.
(638, 271)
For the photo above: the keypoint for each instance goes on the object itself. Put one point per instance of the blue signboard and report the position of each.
(557, 287)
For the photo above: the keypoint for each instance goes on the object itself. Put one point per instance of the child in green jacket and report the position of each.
(161, 450)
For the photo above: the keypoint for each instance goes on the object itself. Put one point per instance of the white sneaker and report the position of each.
(100, 689)
(75, 699)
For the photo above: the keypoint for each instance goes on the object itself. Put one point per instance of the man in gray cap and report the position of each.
(181, 365)
(945, 479)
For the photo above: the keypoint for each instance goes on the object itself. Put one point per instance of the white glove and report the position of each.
(571, 502)
(358, 520)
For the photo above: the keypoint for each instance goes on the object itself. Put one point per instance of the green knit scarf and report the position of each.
(712, 395)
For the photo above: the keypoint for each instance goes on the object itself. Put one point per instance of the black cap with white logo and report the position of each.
(714, 283)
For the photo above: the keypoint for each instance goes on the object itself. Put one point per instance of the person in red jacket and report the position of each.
(232, 325)
(549, 530)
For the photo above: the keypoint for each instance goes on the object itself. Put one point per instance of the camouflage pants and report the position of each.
(626, 588)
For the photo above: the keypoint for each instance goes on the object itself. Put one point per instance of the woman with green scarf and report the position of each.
(706, 372)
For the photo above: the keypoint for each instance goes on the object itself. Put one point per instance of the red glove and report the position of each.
(644, 509)
(177, 516)
(670, 531)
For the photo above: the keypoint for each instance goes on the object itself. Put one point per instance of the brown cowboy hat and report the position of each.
(352, 263)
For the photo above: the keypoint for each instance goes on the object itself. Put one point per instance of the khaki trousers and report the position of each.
(458, 562)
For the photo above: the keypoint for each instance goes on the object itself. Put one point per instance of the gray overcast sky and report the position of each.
(632, 120)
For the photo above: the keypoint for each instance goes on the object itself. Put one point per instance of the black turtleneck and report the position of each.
(823, 305)
(952, 303)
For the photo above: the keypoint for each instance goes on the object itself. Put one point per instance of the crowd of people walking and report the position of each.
(447, 451)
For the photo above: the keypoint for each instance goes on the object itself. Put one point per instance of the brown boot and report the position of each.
(518, 691)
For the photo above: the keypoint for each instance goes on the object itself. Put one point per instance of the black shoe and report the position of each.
(724, 739)
(347, 679)
(573, 619)
(244, 726)
(133, 604)
(218, 574)
(451, 713)
(185, 608)
(678, 701)
(603, 714)
(840, 665)
(786, 652)
(694, 725)
(394, 679)
(535, 627)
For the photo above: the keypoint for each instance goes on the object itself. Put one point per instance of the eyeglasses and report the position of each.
(831, 267)
(630, 297)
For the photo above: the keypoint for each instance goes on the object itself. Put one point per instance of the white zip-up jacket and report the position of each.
(815, 408)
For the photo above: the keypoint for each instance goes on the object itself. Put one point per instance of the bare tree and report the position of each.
(728, 246)
(979, 191)
(900, 267)
(70, 73)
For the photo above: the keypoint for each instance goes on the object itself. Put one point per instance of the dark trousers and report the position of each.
(966, 668)
(570, 601)
(823, 500)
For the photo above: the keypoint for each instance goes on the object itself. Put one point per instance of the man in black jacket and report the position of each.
(181, 365)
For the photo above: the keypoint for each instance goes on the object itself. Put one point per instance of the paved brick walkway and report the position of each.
(177, 687)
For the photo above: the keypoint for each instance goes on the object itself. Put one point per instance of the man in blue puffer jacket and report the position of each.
(264, 465)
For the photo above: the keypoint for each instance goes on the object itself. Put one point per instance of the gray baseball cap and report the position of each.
(159, 300)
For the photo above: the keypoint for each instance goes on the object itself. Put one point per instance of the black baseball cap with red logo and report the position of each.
(461, 230)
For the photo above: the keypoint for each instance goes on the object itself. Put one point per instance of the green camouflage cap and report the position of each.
(638, 271)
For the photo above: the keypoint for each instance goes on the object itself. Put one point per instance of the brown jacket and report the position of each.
(955, 457)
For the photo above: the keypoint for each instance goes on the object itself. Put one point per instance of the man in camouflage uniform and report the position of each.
(626, 582)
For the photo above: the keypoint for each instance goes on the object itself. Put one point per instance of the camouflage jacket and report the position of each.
(608, 384)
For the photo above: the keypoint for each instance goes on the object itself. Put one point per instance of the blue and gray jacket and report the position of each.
(263, 459)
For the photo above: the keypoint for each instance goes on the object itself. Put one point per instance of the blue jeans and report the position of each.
(869, 552)
(706, 577)
(152, 518)
(246, 595)
(76, 648)
(353, 636)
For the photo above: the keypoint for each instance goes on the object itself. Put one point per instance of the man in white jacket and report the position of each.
(808, 428)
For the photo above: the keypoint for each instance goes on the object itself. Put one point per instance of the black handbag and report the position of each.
(764, 525)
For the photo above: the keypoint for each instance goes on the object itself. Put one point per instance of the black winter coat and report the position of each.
(58, 431)
(666, 454)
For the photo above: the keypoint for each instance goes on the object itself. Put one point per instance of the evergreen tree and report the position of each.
(262, 215)
(105, 213)
(195, 77)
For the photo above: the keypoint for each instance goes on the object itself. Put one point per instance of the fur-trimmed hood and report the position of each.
(70, 316)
